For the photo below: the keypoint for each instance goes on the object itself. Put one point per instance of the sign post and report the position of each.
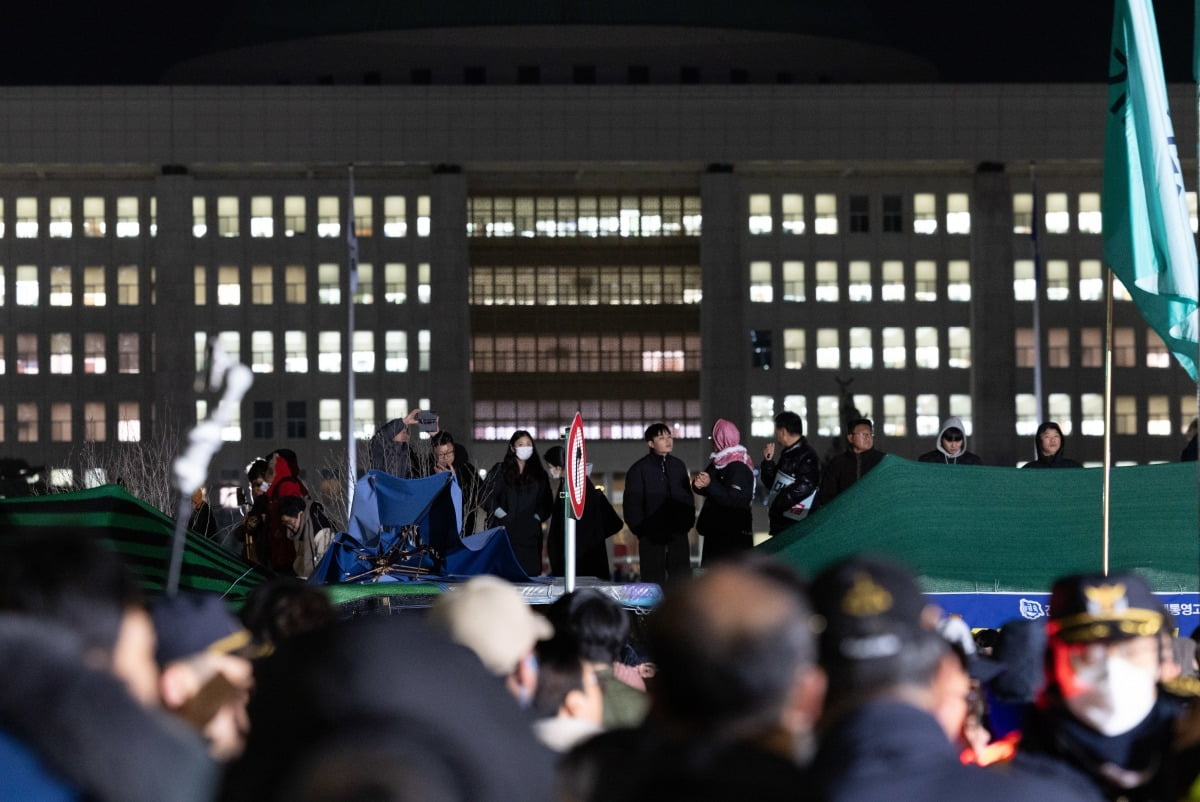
(575, 468)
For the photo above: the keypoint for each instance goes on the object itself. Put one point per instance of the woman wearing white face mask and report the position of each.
(518, 498)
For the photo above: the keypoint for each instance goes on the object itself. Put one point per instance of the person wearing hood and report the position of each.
(951, 446)
(727, 484)
(1049, 445)
(283, 473)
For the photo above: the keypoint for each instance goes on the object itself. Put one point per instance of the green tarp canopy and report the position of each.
(140, 533)
(982, 529)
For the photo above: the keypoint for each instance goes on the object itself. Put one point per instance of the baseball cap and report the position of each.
(1089, 607)
(872, 608)
(192, 623)
(491, 618)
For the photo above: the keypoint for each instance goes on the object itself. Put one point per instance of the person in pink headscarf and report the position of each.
(727, 484)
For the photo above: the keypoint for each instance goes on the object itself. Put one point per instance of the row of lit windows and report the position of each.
(857, 349)
(1055, 212)
(297, 353)
(585, 285)
(797, 213)
(330, 421)
(602, 420)
(1056, 281)
(859, 280)
(891, 414)
(230, 285)
(95, 215)
(1090, 345)
(92, 348)
(267, 216)
(586, 353)
(68, 286)
(94, 416)
(584, 216)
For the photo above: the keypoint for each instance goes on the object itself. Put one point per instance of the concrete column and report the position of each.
(723, 330)
(174, 313)
(450, 320)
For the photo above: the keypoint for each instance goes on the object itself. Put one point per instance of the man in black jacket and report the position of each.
(851, 465)
(660, 509)
(795, 478)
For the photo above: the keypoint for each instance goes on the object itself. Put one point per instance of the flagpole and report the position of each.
(1106, 496)
(348, 351)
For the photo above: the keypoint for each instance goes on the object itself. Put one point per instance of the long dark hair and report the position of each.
(510, 472)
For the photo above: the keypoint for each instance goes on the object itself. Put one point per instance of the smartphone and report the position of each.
(427, 421)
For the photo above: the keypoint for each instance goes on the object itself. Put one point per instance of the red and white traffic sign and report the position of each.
(576, 467)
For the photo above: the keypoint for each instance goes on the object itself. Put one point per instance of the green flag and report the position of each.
(1148, 240)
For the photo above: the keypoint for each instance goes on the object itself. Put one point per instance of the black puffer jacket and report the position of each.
(658, 498)
(799, 461)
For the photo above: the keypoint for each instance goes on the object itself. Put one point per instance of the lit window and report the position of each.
(94, 356)
(1058, 218)
(423, 346)
(1091, 414)
(364, 418)
(128, 355)
(1091, 280)
(395, 284)
(1119, 291)
(859, 287)
(362, 354)
(200, 285)
(128, 224)
(960, 407)
(862, 355)
(27, 219)
(829, 353)
(1024, 285)
(1157, 355)
(127, 285)
(261, 290)
(928, 421)
(60, 286)
(424, 284)
(1, 285)
(1091, 348)
(329, 221)
(27, 423)
(295, 284)
(793, 348)
(925, 347)
(895, 416)
(762, 416)
(1058, 406)
(958, 280)
(958, 347)
(395, 344)
(1125, 419)
(1026, 414)
(364, 216)
(925, 286)
(1058, 348)
(827, 281)
(958, 213)
(1123, 347)
(826, 221)
(94, 224)
(199, 217)
(229, 288)
(895, 355)
(329, 351)
(829, 415)
(1058, 280)
(27, 285)
(1089, 220)
(760, 214)
(3, 370)
(295, 216)
(1187, 412)
(60, 217)
(329, 414)
(153, 216)
(60, 423)
(423, 216)
(365, 291)
(692, 219)
(1022, 213)
(761, 290)
(129, 422)
(329, 287)
(892, 284)
(925, 213)
(262, 351)
(262, 219)
(228, 219)
(1023, 347)
(60, 353)
(860, 214)
(295, 352)
(793, 281)
(797, 404)
(792, 219)
(1191, 205)
(95, 422)
(395, 219)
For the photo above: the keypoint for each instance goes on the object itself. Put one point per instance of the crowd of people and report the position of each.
(745, 682)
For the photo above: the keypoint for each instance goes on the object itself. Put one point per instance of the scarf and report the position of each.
(726, 438)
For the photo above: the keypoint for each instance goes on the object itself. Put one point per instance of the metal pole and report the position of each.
(348, 351)
(1106, 498)
(568, 521)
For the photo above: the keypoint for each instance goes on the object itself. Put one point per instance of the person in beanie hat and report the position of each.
(1103, 721)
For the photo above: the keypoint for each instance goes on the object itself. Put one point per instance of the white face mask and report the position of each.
(264, 487)
(1115, 696)
(524, 452)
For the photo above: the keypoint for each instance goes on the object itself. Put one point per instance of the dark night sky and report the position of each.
(968, 40)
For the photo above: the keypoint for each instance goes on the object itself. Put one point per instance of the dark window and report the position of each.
(529, 74)
(760, 348)
(584, 74)
(739, 76)
(422, 76)
(893, 214)
(264, 420)
(297, 420)
(373, 78)
(860, 214)
(689, 75)
(474, 75)
(639, 74)
(325, 80)
(785, 78)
